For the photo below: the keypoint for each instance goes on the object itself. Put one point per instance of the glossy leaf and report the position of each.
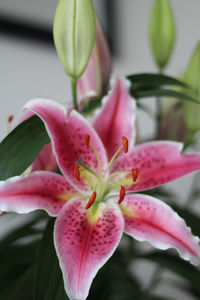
(90, 106)
(152, 80)
(19, 149)
(18, 284)
(49, 282)
(160, 92)
(176, 265)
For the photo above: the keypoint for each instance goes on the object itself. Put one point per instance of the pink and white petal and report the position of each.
(45, 160)
(116, 118)
(83, 246)
(39, 190)
(67, 129)
(157, 163)
(149, 219)
(89, 85)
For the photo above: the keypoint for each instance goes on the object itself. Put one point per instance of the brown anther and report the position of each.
(77, 172)
(10, 118)
(87, 139)
(122, 194)
(134, 174)
(125, 144)
(91, 200)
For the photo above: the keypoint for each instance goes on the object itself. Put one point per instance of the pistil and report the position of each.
(87, 142)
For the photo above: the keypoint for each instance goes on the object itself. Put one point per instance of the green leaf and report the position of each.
(24, 229)
(49, 281)
(160, 92)
(176, 265)
(19, 149)
(91, 105)
(153, 80)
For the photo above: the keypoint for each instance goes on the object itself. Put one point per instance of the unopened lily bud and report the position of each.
(192, 78)
(74, 34)
(94, 81)
(162, 32)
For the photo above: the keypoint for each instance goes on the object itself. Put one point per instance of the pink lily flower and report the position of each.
(97, 163)
(95, 79)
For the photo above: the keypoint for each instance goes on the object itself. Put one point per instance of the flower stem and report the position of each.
(74, 92)
(158, 112)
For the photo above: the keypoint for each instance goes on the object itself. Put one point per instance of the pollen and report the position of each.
(77, 172)
(122, 194)
(134, 174)
(10, 118)
(125, 144)
(91, 200)
(87, 139)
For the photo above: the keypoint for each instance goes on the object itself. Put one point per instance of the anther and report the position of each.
(91, 200)
(10, 118)
(121, 195)
(77, 172)
(134, 174)
(125, 144)
(87, 139)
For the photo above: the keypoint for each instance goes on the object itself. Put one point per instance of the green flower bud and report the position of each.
(162, 32)
(192, 78)
(74, 34)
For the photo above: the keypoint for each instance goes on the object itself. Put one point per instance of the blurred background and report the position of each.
(30, 68)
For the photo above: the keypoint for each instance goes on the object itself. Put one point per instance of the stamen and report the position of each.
(77, 172)
(134, 174)
(121, 195)
(80, 162)
(91, 200)
(10, 118)
(119, 173)
(125, 144)
(112, 159)
(87, 139)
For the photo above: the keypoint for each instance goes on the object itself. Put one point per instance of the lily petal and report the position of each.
(45, 160)
(149, 219)
(95, 78)
(84, 245)
(156, 163)
(39, 190)
(67, 129)
(116, 118)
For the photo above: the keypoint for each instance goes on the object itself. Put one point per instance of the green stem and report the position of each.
(158, 112)
(74, 91)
